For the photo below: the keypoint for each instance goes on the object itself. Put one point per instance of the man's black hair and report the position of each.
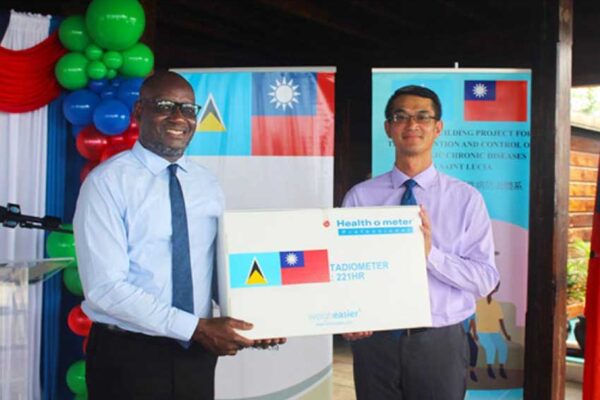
(419, 91)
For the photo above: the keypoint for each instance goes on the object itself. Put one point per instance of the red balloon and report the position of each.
(78, 322)
(86, 169)
(91, 143)
(128, 137)
(133, 124)
(84, 346)
(116, 140)
(132, 133)
(112, 150)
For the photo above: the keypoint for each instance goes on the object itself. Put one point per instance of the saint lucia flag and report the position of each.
(254, 270)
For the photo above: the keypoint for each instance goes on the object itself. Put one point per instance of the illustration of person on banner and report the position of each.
(145, 229)
(489, 330)
(426, 362)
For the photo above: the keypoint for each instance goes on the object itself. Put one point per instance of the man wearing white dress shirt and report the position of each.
(143, 344)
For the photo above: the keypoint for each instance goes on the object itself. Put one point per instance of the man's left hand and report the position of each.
(266, 343)
(426, 229)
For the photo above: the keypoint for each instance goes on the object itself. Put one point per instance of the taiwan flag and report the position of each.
(496, 101)
(308, 266)
(292, 113)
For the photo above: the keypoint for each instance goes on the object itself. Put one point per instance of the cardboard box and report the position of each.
(323, 271)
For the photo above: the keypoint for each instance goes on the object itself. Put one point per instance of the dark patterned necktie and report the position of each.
(408, 198)
(183, 290)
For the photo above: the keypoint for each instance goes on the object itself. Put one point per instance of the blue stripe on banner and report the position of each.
(55, 200)
(375, 231)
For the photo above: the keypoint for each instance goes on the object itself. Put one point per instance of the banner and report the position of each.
(267, 134)
(485, 142)
(591, 366)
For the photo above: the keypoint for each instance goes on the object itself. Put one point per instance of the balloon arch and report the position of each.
(103, 70)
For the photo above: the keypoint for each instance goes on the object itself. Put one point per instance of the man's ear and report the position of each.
(137, 110)
(387, 127)
(439, 127)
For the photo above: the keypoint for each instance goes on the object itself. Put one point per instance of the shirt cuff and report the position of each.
(183, 325)
(435, 258)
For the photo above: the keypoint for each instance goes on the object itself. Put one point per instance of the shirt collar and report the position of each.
(425, 179)
(155, 163)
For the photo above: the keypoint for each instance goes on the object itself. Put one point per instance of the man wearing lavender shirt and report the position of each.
(426, 363)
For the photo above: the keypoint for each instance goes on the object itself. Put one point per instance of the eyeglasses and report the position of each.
(403, 118)
(167, 107)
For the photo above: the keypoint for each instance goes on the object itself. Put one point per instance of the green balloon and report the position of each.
(111, 73)
(81, 397)
(73, 33)
(70, 71)
(72, 281)
(138, 61)
(60, 244)
(112, 59)
(115, 24)
(93, 52)
(96, 70)
(76, 378)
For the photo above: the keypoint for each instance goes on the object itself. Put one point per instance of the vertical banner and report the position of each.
(485, 142)
(268, 136)
(591, 366)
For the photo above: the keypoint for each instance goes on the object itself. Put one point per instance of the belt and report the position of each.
(115, 330)
(408, 331)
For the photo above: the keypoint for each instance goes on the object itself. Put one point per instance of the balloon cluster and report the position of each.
(103, 43)
(59, 244)
(105, 70)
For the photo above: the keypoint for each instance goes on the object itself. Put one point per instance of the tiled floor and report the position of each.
(343, 384)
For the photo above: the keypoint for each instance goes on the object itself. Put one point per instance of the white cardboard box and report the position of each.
(323, 271)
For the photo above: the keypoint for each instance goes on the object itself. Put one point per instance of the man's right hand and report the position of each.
(356, 335)
(219, 336)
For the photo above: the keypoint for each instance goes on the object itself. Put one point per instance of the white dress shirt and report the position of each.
(123, 238)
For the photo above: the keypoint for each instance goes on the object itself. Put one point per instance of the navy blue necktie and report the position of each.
(183, 290)
(408, 198)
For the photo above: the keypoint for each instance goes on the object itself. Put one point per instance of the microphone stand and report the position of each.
(11, 217)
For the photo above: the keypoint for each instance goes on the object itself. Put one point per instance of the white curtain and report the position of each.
(23, 181)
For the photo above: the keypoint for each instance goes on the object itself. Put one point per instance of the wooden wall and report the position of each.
(585, 150)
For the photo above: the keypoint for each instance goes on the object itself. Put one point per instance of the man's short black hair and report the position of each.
(414, 90)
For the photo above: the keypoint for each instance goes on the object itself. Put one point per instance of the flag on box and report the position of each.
(254, 270)
(487, 100)
(308, 266)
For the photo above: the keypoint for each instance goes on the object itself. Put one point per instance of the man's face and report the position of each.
(414, 136)
(164, 132)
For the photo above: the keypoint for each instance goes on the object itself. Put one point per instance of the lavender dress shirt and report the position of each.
(460, 266)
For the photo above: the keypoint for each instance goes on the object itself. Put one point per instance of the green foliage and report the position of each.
(577, 267)
(585, 100)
